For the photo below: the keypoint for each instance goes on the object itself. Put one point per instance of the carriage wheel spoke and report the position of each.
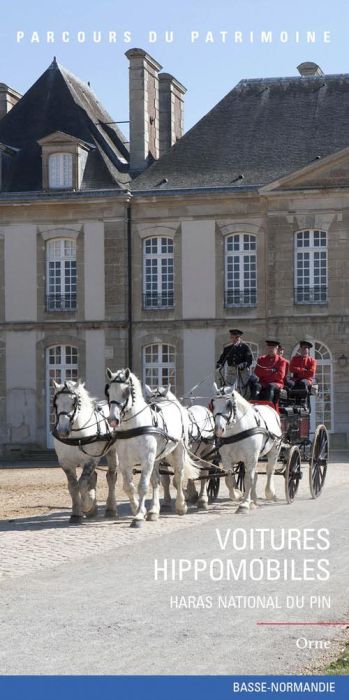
(318, 461)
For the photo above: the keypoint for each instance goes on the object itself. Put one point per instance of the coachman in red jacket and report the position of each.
(302, 366)
(270, 370)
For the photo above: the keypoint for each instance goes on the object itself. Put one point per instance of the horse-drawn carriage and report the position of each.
(298, 447)
(230, 439)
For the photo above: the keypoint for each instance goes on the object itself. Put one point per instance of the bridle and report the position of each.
(122, 405)
(76, 405)
(231, 416)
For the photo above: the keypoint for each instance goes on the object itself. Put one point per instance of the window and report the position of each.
(323, 402)
(310, 267)
(61, 366)
(240, 270)
(60, 171)
(61, 275)
(158, 280)
(159, 365)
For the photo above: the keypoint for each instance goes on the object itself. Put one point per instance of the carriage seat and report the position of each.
(303, 393)
(298, 394)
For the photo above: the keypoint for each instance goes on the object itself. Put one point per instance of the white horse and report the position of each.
(146, 437)
(81, 436)
(201, 438)
(234, 416)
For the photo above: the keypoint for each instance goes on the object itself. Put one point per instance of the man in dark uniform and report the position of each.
(238, 357)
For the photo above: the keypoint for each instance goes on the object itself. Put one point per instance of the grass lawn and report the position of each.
(340, 667)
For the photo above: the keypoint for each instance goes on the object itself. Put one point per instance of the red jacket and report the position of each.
(303, 367)
(271, 368)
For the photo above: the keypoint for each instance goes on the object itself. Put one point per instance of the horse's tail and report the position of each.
(192, 470)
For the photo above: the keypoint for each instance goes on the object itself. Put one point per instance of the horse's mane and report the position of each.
(137, 391)
(240, 400)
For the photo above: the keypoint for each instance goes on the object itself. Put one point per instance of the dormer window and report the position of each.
(64, 158)
(60, 171)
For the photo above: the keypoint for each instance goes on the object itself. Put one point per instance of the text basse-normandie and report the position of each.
(284, 687)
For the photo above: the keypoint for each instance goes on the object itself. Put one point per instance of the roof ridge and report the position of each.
(299, 78)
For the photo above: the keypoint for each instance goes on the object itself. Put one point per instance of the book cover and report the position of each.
(174, 197)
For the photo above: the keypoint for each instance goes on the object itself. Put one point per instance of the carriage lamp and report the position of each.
(342, 360)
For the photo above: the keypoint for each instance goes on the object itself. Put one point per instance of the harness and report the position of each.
(155, 411)
(244, 434)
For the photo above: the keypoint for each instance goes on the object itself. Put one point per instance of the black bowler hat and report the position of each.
(235, 331)
(272, 342)
(305, 344)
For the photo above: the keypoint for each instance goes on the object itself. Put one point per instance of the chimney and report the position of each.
(8, 99)
(144, 109)
(308, 69)
(171, 116)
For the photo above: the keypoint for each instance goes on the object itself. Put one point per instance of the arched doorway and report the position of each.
(61, 365)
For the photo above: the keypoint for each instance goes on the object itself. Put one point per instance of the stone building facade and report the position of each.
(146, 256)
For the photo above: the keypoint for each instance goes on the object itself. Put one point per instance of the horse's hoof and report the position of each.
(75, 519)
(202, 505)
(243, 510)
(253, 505)
(136, 523)
(166, 508)
(151, 517)
(181, 511)
(111, 515)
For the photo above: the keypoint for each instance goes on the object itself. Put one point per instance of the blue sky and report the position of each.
(208, 69)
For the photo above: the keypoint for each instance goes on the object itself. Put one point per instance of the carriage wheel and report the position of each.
(318, 461)
(213, 488)
(240, 476)
(293, 473)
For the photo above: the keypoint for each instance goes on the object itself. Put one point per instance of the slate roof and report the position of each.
(263, 129)
(59, 101)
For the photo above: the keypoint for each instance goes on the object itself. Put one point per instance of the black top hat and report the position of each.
(272, 342)
(305, 344)
(235, 331)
